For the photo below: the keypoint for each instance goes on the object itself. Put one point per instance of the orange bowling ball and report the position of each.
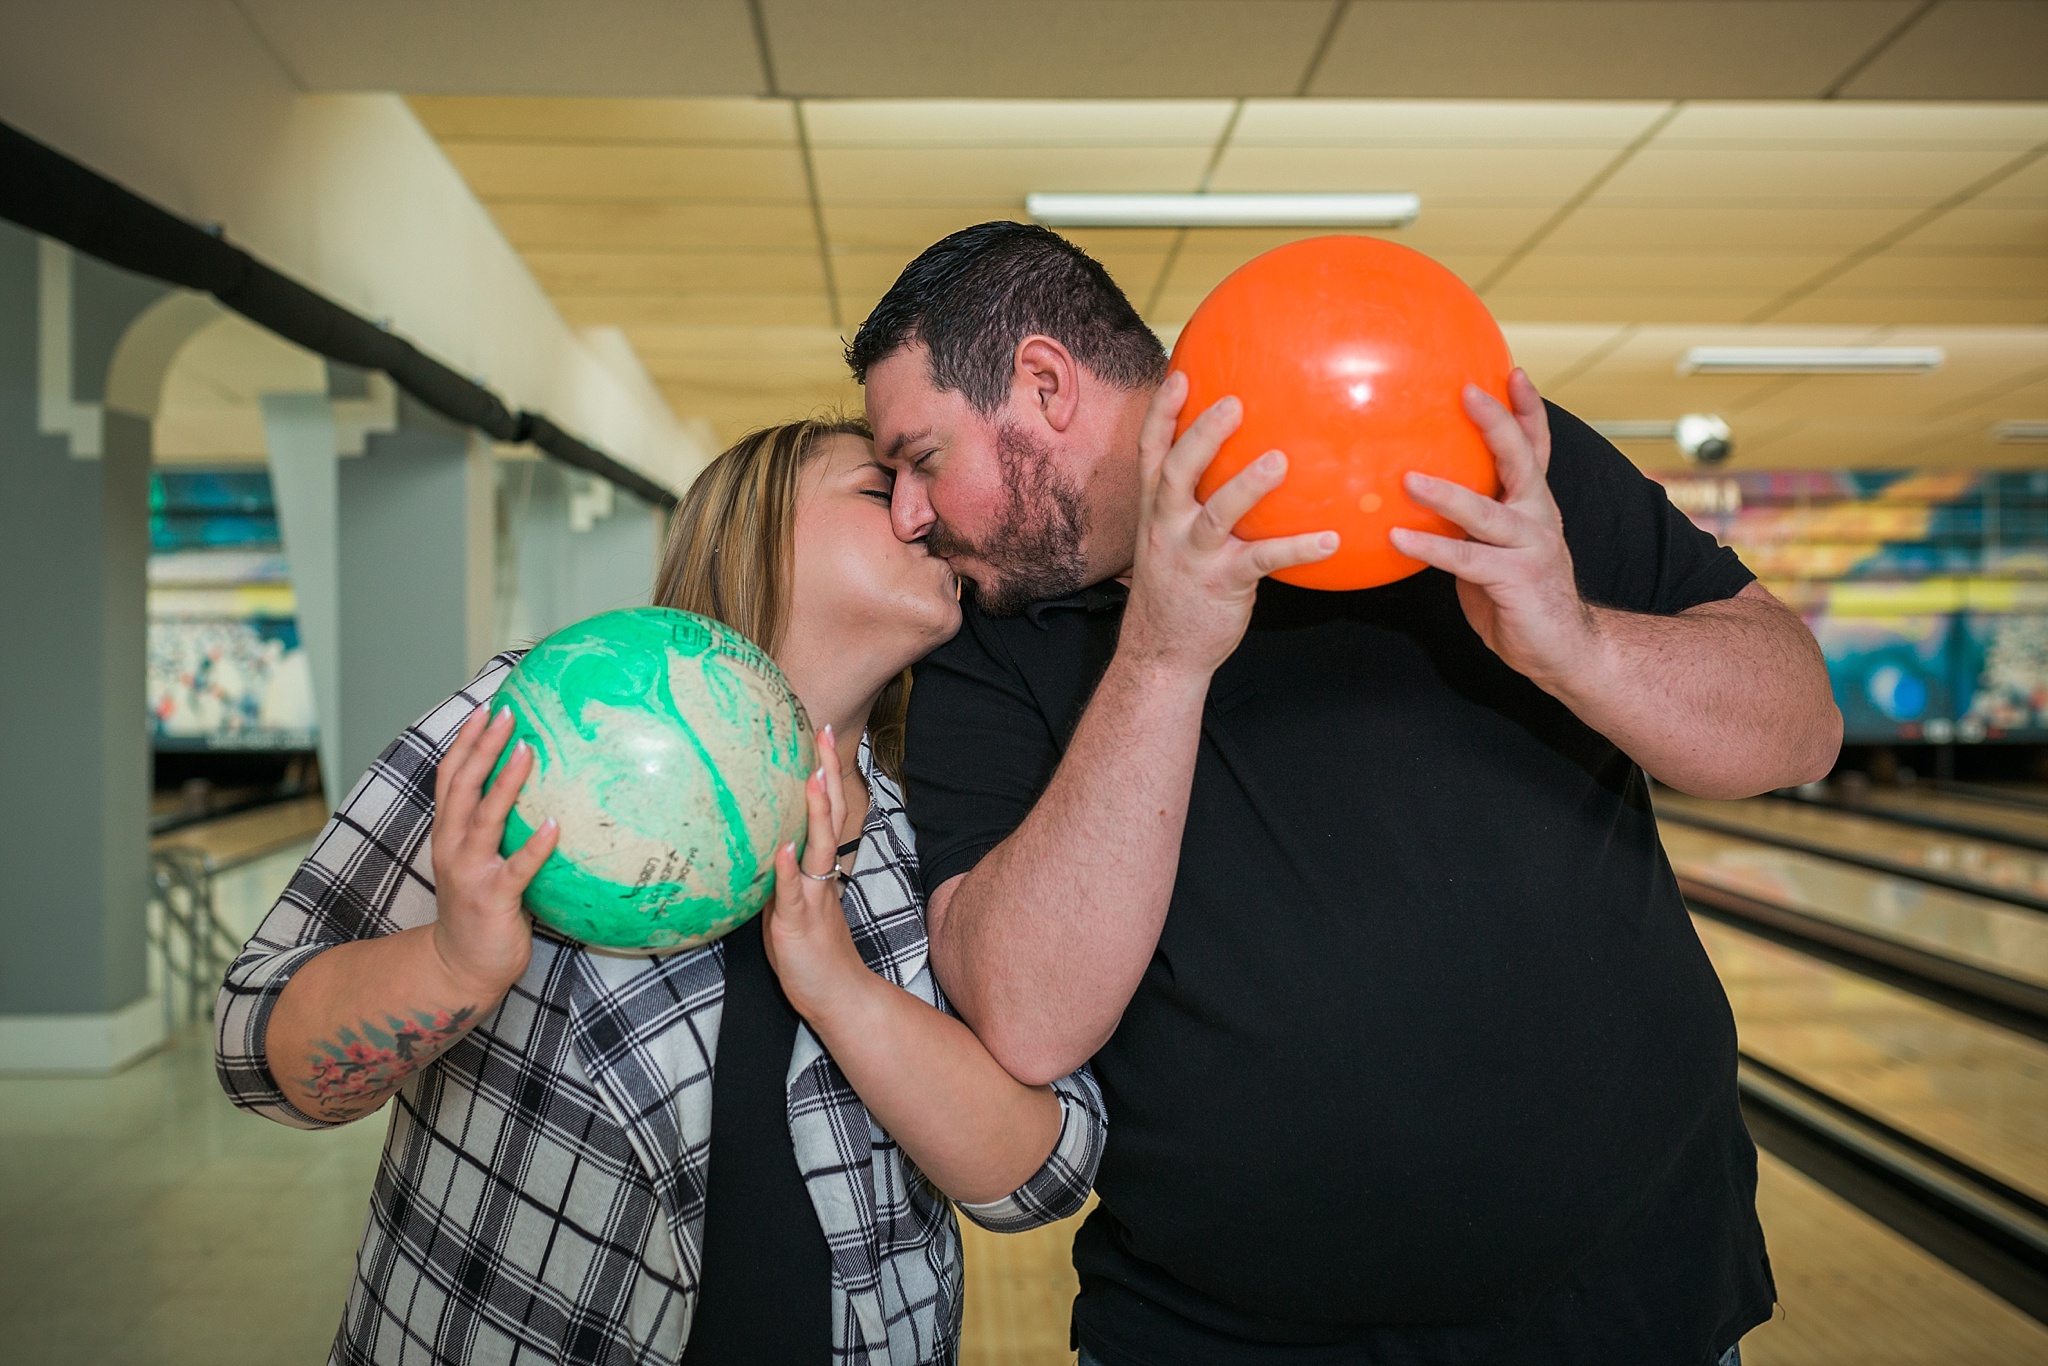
(1350, 354)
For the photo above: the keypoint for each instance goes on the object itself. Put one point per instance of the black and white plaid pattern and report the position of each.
(541, 1195)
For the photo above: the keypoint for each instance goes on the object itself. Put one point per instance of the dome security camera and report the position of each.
(1702, 438)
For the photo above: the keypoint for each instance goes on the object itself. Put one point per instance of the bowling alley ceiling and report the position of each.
(736, 241)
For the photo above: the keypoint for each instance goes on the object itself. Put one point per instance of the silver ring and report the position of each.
(832, 876)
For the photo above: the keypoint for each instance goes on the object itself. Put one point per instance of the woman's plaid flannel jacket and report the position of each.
(541, 1194)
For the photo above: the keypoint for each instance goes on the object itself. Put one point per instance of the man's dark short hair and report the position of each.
(973, 295)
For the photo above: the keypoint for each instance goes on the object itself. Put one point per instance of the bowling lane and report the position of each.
(1957, 808)
(1976, 862)
(1992, 935)
(1971, 1089)
(1852, 1290)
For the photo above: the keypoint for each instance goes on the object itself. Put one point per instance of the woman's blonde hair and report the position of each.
(732, 545)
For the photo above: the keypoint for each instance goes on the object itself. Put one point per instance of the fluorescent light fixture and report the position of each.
(1811, 360)
(1223, 210)
(2022, 430)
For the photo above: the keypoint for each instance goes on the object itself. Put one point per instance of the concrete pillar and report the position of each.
(74, 743)
(392, 563)
(573, 546)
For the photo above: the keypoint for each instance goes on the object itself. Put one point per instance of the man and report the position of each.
(1355, 899)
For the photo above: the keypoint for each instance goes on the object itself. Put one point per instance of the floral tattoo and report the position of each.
(362, 1065)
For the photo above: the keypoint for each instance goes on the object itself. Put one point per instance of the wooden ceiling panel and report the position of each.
(1665, 273)
(1600, 49)
(611, 171)
(1605, 306)
(2012, 223)
(1875, 175)
(1016, 123)
(1837, 123)
(668, 272)
(1964, 49)
(1689, 225)
(1834, 306)
(1907, 273)
(1547, 174)
(870, 224)
(514, 47)
(755, 123)
(695, 310)
(1435, 123)
(954, 173)
(1160, 49)
(540, 225)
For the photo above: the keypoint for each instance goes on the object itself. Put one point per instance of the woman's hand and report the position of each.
(804, 929)
(482, 934)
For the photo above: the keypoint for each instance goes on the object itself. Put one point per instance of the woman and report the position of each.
(602, 1158)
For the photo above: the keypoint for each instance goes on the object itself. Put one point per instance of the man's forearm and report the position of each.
(1728, 699)
(1042, 944)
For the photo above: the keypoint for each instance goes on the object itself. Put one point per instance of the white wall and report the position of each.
(181, 101)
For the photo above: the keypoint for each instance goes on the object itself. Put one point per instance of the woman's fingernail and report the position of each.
(828, 730)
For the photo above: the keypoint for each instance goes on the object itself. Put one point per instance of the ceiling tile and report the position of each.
(546, 170)
(1619, 307)
(1833, 123)
(1547, 349)
(853, 224)
(1873, 175)
(1553, 271)
(2027, 185)
(1678, 225)
(1200, 272)
(1056, 48)
(1015, 123)
(652, 272)
(952, 173)
(602, 224)
(1826, 307)
(1593, 49)
(1431, 123)
(754, 310)
(1964, 49)
(1980, 224)
(489, 47)
(752, 122)
(1546, 173)
(1910, 273)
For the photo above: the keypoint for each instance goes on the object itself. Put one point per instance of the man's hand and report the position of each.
(1194, 581)
(1515, 576)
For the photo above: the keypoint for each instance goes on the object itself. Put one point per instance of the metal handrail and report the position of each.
(191, 942)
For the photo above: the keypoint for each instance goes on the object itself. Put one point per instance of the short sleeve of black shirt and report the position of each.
(985, 735)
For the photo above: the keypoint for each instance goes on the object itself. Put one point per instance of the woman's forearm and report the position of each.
(360, 1018)
(975, 1130)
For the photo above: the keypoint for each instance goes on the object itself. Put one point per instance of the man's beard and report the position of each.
(1034, 553)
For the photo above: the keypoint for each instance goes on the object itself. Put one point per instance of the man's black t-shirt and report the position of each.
(1429, 1064)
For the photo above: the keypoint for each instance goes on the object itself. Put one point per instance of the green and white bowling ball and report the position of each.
(673, 754)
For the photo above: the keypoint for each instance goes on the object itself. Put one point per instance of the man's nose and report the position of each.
(910, 510)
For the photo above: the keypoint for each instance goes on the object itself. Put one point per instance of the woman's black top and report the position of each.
(766, 1293)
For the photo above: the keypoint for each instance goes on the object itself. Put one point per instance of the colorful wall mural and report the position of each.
(225, 667)
(1928, 590)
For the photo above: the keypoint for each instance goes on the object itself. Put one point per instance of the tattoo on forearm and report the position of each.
(361, 1065)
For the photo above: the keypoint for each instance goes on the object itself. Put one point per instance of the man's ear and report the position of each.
(1047, 379)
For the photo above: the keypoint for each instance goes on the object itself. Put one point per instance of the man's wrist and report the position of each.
(1586, 667)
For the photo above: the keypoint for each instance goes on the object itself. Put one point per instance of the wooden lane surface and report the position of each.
(1992, 935)
(1968, 1088)
(1852, 1291)
(1996, 817)
(1020, 1295)
(1986, 863)
(250, 832)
